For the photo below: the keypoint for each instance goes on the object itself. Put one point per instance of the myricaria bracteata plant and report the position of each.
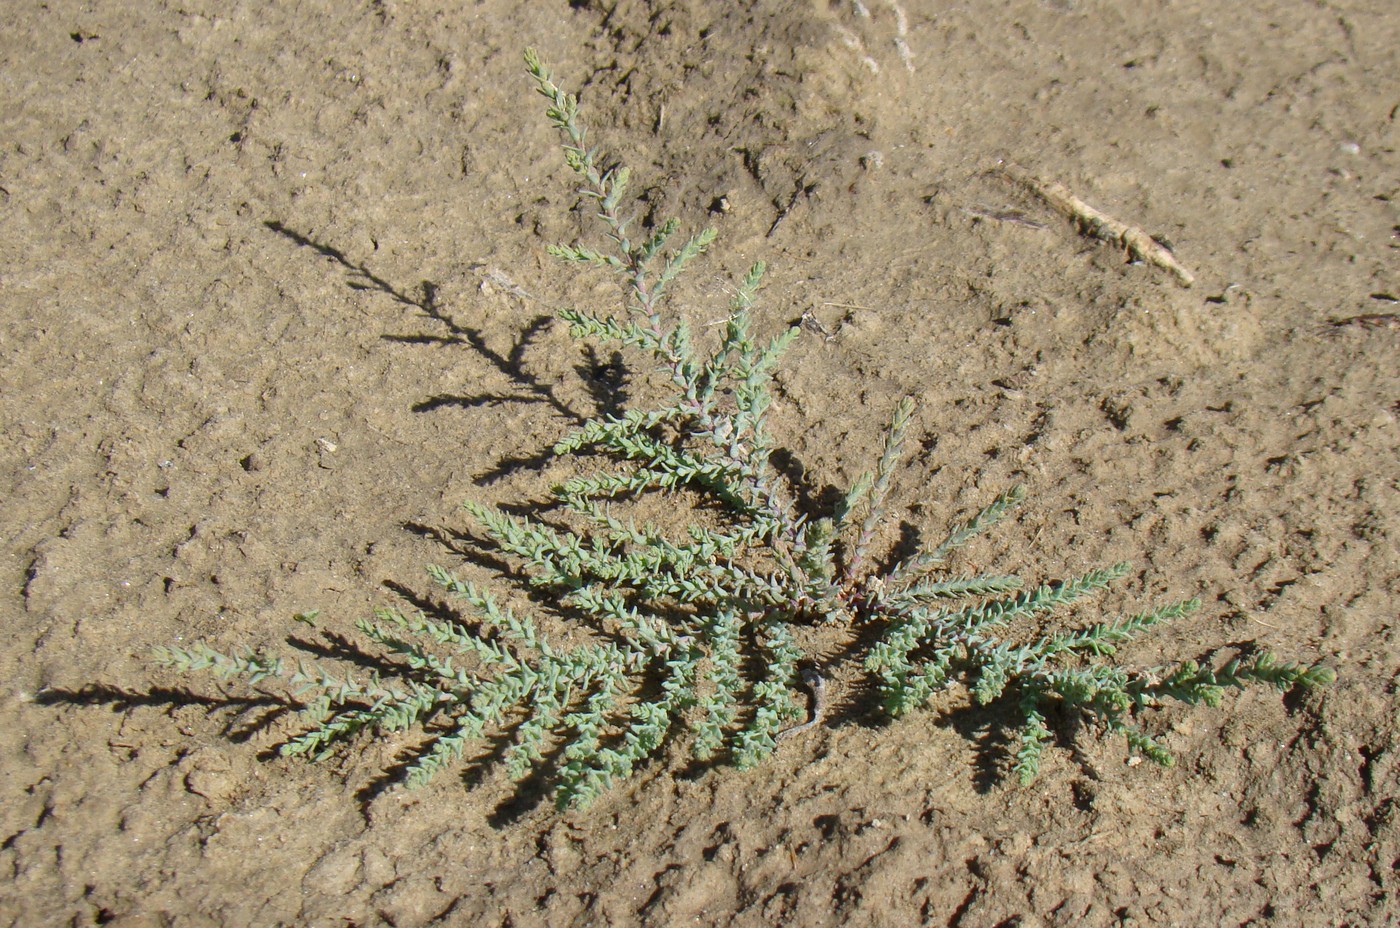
(690, 635)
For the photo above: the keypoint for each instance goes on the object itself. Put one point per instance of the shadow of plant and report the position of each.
(425, 299)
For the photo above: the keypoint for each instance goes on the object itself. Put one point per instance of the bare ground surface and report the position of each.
(273, 301)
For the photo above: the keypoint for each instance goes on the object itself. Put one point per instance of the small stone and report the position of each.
(209, 774)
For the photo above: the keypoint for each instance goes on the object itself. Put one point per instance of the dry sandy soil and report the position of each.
(274, 301)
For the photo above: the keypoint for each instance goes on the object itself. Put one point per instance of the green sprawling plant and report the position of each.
(697, 632)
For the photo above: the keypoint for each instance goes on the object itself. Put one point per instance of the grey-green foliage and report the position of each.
(696, 633)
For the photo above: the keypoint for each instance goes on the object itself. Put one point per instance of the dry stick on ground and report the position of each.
(813, 678)
(1367, 321)
(1092, 222)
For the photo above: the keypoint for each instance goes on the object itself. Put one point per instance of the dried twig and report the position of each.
(1003, 215)
(1092, 222)
(1367, 321)
(817, 710)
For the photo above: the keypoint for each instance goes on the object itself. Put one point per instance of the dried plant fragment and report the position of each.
(1135, 241)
